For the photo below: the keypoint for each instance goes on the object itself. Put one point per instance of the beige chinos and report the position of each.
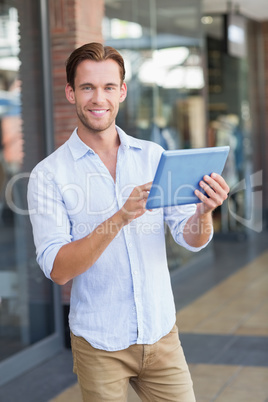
(157, 372)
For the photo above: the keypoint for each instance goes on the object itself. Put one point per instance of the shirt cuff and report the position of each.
(48, 260)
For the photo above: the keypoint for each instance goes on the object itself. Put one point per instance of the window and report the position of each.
(26, 296)
(161, 43)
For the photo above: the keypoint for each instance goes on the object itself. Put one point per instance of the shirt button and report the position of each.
(129, 244)
(135, 272)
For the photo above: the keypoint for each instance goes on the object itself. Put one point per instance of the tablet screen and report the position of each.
(179, 172)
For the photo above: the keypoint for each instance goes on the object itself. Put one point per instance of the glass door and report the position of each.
(27, 298)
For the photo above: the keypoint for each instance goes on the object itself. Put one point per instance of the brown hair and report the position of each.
(96, 52)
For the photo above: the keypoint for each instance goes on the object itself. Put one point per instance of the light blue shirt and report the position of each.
(126, 296)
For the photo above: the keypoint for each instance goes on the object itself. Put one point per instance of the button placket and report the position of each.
(134, 263)
(130, 243)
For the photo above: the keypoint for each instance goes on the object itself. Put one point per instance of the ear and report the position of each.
(69, 92)
(123, 92)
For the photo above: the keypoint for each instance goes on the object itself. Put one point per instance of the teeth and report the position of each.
(98, 111)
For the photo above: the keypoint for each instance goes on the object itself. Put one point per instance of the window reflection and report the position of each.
(10, 89)
(26, 303)
(164, 70)
(161, 43)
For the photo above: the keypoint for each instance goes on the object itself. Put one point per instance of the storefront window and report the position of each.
(162, 46)
(26, 299)
(229, 115)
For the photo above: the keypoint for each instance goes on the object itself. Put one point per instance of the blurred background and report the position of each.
(197, 74)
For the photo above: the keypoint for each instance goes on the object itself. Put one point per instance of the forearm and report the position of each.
(198, 228)
(77, 257)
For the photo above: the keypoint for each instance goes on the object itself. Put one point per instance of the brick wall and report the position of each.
(72, 23)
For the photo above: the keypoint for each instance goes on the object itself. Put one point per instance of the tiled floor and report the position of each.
(211, 383)
(237, 305)
(230, 383)
(224, 332)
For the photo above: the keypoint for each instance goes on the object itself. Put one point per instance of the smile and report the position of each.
(98, 112)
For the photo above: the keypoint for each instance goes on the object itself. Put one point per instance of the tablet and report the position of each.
(179, 172)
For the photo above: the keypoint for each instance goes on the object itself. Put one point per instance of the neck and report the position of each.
(100, 141)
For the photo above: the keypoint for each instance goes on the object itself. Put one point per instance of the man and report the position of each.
(90, 225)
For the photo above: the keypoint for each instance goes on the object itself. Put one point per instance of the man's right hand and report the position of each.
(78, 256)
(134, 207)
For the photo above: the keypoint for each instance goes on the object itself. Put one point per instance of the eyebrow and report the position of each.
(109, 84)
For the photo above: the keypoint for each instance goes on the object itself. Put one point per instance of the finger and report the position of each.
(140, 196)
(145, 195)
(220, 180)
(221, 189)
(210, 186)
(146, 186)
(141, 192)
(208, 203)
(215, 193)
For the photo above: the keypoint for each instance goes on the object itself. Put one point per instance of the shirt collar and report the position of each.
(126, 141)
(78, 148)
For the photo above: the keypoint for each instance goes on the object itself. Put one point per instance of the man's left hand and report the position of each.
(216, 192)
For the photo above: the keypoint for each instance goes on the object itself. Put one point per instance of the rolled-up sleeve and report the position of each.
(49, 218)
(176, 218)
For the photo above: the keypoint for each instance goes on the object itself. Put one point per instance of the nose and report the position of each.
(97, 96)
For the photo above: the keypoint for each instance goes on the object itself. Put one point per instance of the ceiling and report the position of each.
(180, 17)
(254, 9)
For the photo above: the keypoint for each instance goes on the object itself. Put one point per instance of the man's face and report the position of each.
(97, 94)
